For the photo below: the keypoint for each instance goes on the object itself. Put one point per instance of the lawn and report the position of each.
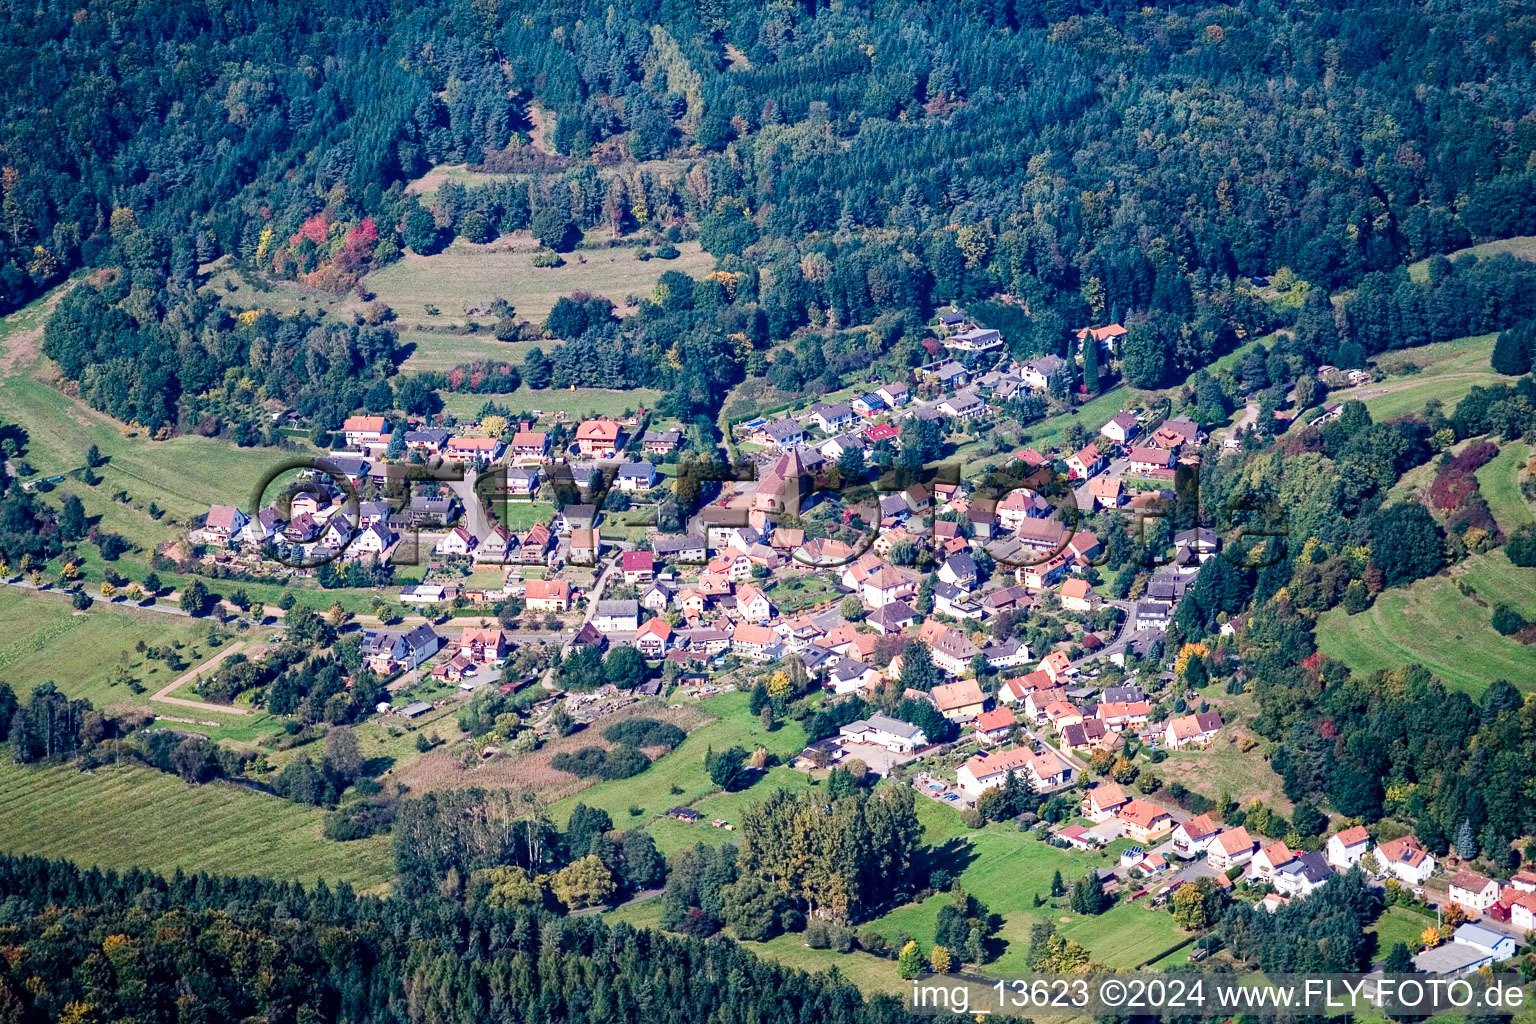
(683, 769)
(470, 277)
(1398, 924)
(1433, 624)
(443, 350)
(1226, 769)
(132, 816)
(45, 640)
(577, 402)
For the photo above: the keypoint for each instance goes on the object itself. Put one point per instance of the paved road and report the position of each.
(475, 516)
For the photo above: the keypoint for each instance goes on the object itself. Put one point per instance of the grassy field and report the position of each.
(1446, 371)
(577, 402)
(1499, 481)
(1431, 623)
(443, 350)
(683, 769)
(47, 641)
(137, 817)
(1522, 247)
(465, 277)
(1398, 924)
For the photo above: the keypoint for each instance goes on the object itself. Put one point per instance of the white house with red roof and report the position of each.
(1194, 836)
(1406, 860)
(752, 604)
(1349, 847)
(365, 431)
(638, 566)
(1104, 801)
(1230, 848)
(599, 437)
(995, 725)
(1473, 892)
(653, 638)
(1268, 861)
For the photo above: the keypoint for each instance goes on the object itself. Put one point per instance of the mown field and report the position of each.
(132, 816)
(467, 277)
(46, 640)
(1446, 371)
(1432, 623)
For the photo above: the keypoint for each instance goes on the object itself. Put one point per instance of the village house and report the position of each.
(1301, 875)
(1269, 860)
(1472, 892)
(960, 701)
(520, 482)
(1143, 822)
(691, 602)
(849, 676)
(1085, 735)
(688, 549)
(1038, 372)
(891, 618)
(429, 511)
(1021, 504)
(894, 395)
(547, 595)
(1120, 428)
(622, 616)
(656, 598)
(1058, 666)
(877, 432)
(1230, 848)
(1176, 433)
(1349, 847)
(1077, 595)
(638, 566)
(653, 637)
(833, 417)
(427, 441)
(1118, 716)
(752, 604)
(365, 431)
(1406, 860)
(585, 546)
(975, 339)
(1143, 461)
(1108, 337)
(498, 547)
(989, 770)
(879, 730)
(389, 651)
(1103, 802)
(597, 438)
(1522, 911)
(530, 445)
(965, 405)
(752, 641)
(1085, 462)
(952, 650)
(373, 541)
(661, 442)
(473, 449)
(782, 434)
(223, 523)
(1198, 730)
(995, 725)
(534, 543)
(636, 476)
(1107, 491)
(482, 646)
(951, 374)
(1194, 836)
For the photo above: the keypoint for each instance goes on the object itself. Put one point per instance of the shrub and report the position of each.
(644, 732)
(621, 762)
